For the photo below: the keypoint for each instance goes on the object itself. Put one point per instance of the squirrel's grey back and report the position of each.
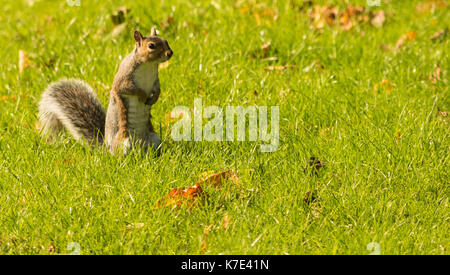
(71, 103)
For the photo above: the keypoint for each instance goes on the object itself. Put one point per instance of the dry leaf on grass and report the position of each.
(182, 196)
(190, 196)
(347, 19)
(260, 13)
(436, 75)
(410, 36)
(440, 35)
(426, 7)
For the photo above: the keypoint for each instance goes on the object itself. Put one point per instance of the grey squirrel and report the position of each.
(72, 103)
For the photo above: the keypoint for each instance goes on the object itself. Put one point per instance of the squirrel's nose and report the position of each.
(169, 53)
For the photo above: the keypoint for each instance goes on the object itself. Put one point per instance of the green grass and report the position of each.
(376, 187)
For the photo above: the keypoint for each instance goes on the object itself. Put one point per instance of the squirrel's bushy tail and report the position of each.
(72, 104)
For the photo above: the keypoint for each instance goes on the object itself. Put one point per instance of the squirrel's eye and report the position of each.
(151, 46)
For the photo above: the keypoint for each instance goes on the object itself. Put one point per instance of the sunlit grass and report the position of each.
(385, 149)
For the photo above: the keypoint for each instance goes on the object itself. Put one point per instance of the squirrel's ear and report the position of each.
(153, 31)
(138, 37)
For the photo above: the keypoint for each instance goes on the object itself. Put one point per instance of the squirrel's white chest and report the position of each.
(138, 117)
(145, 76)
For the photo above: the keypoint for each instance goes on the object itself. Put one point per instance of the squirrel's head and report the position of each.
(152, 48)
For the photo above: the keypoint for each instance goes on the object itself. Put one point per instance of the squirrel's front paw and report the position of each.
(123, 145)
(126, 146)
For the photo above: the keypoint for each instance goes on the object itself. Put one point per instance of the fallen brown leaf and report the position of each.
(440, 35)
(442, 113)
(178, 197)
(429, 6)
(347, 19)
(436, 75)
(189, 195)
(318, 16)
(410, 36)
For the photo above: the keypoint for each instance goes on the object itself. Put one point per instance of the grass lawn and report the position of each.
(369, 99)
